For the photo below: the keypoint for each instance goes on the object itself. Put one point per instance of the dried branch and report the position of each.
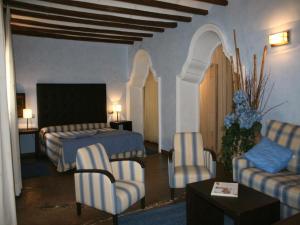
(273, 107)
(253, 84)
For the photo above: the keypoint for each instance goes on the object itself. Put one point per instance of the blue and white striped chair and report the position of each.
(111, 186)
(284, 185)
(189, 162)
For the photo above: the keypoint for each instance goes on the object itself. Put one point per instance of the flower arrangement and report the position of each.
(241, 129)
(244, 115)
(243, 125)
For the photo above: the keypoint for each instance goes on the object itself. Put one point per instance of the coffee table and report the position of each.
(293, 220)
(249, 208)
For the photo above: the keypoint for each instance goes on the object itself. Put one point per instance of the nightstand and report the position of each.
(34, 131)
(127, 125)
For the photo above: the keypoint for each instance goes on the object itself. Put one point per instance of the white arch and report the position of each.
(202, 46)
(142, 64)
(204, 42)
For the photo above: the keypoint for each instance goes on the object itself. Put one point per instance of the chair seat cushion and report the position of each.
(128, 193)
(284, 185)
(188, 174)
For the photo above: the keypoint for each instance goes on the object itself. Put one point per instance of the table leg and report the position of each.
(200, 211)
(261, 216)
(37, 145)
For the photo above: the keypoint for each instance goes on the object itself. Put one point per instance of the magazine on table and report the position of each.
(225, 189)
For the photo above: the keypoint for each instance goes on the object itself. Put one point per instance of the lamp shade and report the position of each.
(117, 108)
(279, 39)
(27, 113)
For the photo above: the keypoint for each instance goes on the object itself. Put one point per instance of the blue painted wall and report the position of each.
(253, 21)
(60, 61)
(48, 60)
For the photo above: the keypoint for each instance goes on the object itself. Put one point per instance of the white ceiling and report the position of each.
(190, 3)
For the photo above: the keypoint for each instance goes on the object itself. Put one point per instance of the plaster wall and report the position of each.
(43, 60)
(253, 21)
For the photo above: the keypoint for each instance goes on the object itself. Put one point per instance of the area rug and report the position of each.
(34, 169)
(174, 214)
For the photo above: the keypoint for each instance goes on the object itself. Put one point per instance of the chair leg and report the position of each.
(172, 191)
(115, 219)
(78, 207)
(143, 203)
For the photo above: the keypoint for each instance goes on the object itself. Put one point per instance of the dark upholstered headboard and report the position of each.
(71, 103)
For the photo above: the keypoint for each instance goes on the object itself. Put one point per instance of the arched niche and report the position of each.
(142, 64)
(204, 42)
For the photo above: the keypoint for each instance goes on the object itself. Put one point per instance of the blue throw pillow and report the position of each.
(269, 156)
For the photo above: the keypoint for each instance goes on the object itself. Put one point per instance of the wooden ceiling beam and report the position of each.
(167, 5)
(76, 28)
(83, 21)
(93, 16)
(75, 33)
(215, 2)
(120, 10)
(67, 37)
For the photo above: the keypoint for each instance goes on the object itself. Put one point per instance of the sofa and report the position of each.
(284, 185)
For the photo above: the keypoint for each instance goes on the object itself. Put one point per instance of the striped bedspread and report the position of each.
(60, 143)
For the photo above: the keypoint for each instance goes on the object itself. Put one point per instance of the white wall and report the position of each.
(185, 109)
(253, 21)
(43, 60)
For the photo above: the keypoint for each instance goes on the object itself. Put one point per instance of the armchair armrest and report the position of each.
(238, 164)
(127, 169)
(104, 172)
(170, 154)
(210, 161)
(213, 154)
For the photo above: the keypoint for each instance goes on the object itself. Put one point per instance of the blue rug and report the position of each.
(174, 214)
(35, 169)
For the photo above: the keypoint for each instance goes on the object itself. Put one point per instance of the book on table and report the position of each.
(225, 189)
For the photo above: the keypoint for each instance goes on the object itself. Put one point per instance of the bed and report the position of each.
(71, 116)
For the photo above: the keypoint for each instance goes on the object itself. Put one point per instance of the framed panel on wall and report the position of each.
(20, 104)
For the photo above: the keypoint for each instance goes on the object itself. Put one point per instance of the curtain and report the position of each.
(215, 100)
(151, 109)
(12, 108)
(7, 187)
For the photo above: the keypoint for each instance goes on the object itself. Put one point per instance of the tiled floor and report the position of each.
(50, 200)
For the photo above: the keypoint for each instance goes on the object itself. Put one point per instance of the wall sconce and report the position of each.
(117, 108)
(279, 39)
(27, 114)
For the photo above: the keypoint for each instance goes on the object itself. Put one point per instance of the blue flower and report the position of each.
(229, 120)
(243, 114)
(248, 118)
(240, 97)
(241, 108)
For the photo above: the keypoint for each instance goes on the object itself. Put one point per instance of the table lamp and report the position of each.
(117, 108)
(27, 114)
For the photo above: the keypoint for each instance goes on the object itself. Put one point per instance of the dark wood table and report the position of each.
(34, 131)
(127, 125)
(250, 208)
(293, 220)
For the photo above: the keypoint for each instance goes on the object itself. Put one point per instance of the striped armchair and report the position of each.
(284, 185)
(111, 186)
(189, 162)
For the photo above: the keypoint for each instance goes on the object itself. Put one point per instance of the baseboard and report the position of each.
(28, 155)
